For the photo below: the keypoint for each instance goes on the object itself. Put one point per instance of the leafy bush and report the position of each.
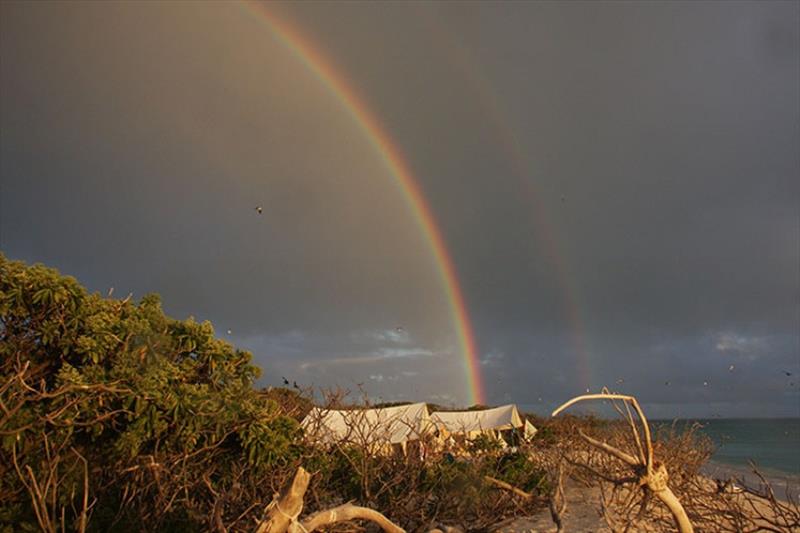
(519, 470)
(484, 443)
(117, 385)
(117, 417)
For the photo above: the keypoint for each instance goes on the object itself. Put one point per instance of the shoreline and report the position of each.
(785, 485)
(584, 513)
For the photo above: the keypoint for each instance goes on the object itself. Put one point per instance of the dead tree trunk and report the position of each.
(282, 513)
(652, 475)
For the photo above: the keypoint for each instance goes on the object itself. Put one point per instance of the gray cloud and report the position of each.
(617, 184)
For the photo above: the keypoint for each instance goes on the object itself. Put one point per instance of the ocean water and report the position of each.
(772, 443)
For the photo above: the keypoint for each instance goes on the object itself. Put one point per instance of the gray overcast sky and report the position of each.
(618, 185)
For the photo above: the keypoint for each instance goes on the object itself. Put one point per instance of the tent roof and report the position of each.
(499, 418)
(391, 424)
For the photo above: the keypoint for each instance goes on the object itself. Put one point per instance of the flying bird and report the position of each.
(285, 381)
(666, 383)
(730, 368)
(705, 384)
(230, 331)
(787, 373)
(259, 209)
(620, 381)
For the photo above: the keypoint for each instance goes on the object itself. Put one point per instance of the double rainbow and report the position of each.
(456, 51)
(393, 158)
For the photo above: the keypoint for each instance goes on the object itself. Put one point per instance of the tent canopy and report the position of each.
(530, 430)
(394, 425)
(498, 419)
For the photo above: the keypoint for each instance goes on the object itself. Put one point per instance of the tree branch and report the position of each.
(343, 513)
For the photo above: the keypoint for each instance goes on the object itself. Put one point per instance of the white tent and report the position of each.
(499, 418)
(530, 430)
(473, 423)
(367, 427)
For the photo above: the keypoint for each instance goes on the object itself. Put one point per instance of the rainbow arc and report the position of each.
(335, 81)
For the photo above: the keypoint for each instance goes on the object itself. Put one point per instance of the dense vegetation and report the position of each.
(117, 416)
(139, 402)
(114, 416)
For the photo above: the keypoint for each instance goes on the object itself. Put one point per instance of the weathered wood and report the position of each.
(343, 513)
(557, 503)
(619, 454)
(509, 487)
(284, 512)
(669, 499)
(655, 477)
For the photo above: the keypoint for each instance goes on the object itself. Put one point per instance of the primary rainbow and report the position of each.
(392, 156)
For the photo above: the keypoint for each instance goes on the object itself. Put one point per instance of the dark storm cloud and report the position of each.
(647, 231)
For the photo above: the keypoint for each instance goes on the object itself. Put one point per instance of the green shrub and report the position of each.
(519, 470)
(484, 443)
(121, 385)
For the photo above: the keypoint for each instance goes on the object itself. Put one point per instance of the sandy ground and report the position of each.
(582, 514)
(583, 507)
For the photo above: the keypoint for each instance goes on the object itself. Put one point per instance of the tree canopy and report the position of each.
(97, 392)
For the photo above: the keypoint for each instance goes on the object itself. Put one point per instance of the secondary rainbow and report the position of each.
(393, 158)
(545, 232)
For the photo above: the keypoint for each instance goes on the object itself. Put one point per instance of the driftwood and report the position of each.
(509, 487)
(346, 512)
(558, 501)
(557, 504)
(649, 474)
(282, 513)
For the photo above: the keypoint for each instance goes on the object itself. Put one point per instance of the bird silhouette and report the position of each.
(285, 381)
(787, 373)
(295, 385)
(230, 331)
(259, 209)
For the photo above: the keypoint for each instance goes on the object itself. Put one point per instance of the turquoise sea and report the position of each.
(772, 443)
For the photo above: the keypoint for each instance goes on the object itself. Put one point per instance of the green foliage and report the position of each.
(519, 470)
(334, 470)
(119, 383)
(484, 443)
(545, 436)
(460, 477)
(161, 420)
(383, 405)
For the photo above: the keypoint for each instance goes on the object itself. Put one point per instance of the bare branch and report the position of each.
(343, 513)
